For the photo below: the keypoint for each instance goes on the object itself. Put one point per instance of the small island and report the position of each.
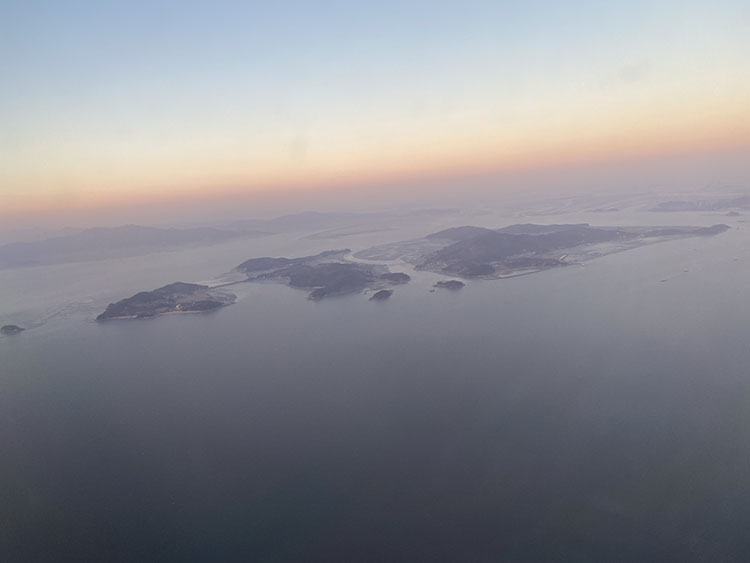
(382, 295)
(450, 284)
(11, 329)
(396, 277)
(176, 297)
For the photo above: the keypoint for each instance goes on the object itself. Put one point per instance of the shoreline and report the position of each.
(141, 317)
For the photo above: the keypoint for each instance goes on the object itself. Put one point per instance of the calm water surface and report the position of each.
(589, 413)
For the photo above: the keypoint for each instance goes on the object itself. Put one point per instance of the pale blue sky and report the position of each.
(138, 91)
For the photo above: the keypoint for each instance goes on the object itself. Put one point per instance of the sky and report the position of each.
(126, 104)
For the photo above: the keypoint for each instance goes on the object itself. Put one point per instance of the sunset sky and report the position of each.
(120, 103)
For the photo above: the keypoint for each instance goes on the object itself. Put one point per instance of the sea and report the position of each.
(596, 412)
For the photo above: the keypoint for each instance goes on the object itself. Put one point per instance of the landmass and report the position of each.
(176, 297)
(335, 225)
(450, 284)
(116, 242)
(104, 243)
(716, 204)
(478, 252)
(467, 251)
(11, 329)
(326, 274)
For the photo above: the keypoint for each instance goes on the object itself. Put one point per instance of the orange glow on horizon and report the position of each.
(596, 138)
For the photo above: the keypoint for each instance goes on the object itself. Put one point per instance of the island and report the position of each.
(396, 277)
(479, 252)
(450, 284)
(11, 329)
(382, 295)
(176, 297)
(324, 275)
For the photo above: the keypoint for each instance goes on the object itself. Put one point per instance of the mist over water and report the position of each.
(583, 413)
(590, 406)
